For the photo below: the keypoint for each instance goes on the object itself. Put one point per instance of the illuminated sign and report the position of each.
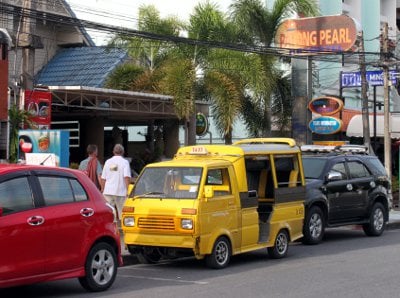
(325, 105)
(329, 33)
(325, 125)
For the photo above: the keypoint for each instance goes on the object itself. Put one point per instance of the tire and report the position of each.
(281, 245)
(221, 254)
(314, 226)
(100, 267)
(148, 255)
(377, 223)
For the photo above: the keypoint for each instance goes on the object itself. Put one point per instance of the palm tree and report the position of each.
(269, 92)
(222, 70)
(17, 118)
(174, 69)
(163, 67)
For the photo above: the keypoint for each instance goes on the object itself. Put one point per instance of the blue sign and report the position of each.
(325, 125)
(374, 78)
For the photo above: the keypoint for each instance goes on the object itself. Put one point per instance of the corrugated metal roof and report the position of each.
(83, 66)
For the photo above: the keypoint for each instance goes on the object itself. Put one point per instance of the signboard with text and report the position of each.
(325, 125)
(326, 33)
(374, 78)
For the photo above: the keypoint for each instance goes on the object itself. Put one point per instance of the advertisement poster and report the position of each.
(38, 104)
(46, 142)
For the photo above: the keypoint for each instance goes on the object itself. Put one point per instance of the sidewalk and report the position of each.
(394, 223)
(394, 219)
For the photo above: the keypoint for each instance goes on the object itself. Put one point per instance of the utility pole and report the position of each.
(364, 97)
(386, 117)
(27, 43)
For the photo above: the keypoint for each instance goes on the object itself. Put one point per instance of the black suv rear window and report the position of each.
(376, 166)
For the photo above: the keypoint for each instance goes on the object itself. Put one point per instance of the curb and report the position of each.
(393, 225)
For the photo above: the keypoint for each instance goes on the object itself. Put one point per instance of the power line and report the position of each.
(326, 55)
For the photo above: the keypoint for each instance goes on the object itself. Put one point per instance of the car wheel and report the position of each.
(220, 255)
(314, 226)
(377, 223)
(148, 255)
(281, 245)
(100, 267)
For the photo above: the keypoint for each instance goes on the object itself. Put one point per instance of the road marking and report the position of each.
(166, 279)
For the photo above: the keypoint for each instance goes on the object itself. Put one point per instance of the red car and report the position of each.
(55, 224)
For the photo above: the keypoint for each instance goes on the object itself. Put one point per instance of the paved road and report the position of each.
(346, 264)
(394, 223)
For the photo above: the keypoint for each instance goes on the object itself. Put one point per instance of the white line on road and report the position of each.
(165, 279)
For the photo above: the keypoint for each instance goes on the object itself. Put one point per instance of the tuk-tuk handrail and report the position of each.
(287, 141)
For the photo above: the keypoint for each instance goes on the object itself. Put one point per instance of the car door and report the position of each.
(221, 212)
(339, 192)
(69, 216)
(361, 180)
(348, 197)
(22, 229)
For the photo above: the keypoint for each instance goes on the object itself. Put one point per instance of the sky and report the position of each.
(124, 13)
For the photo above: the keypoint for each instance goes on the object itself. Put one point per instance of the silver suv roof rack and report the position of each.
(354, 149)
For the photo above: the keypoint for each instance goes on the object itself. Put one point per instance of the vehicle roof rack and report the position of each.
(341, 149)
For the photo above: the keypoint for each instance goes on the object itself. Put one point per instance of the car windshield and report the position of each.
(168, 182)
(313, 167)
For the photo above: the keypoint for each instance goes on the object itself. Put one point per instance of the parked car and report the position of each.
(344, 186)
(55, 224)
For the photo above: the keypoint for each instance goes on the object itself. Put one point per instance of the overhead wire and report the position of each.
(325, 55)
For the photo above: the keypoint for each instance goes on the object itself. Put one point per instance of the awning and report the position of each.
(355, 127)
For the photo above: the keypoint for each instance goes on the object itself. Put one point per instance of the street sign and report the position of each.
(374, 78)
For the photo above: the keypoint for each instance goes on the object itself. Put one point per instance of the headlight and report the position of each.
(187, 224)
(129, 221)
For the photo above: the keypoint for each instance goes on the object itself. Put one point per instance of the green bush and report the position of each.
(395, 183)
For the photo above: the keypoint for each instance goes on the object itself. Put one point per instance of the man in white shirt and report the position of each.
(115, 179)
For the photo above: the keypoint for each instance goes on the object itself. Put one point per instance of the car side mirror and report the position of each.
(334, 176)
(1, 211)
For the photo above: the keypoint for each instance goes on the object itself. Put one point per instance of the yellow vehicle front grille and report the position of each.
(156, 223)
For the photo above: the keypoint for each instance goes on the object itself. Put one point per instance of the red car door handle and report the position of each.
(35, 220)
(86, 212)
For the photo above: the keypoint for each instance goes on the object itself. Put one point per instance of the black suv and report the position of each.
(344, 186)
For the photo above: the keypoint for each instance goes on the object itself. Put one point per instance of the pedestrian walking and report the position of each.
(115, 179)
(91, 165)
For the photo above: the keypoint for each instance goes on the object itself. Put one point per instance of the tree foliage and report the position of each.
(269, 96)
(237, 84)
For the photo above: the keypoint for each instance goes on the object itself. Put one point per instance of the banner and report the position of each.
(38, 104)
(46, 143)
